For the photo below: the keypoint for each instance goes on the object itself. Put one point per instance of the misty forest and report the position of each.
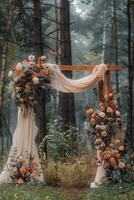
(66, 99)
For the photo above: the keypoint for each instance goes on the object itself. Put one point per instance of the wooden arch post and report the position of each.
(103, 86)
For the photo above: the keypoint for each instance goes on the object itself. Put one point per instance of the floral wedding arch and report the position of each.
(23, 162)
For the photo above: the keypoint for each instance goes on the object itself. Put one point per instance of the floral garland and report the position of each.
(28, 79)
(23, 170)
(107, 124)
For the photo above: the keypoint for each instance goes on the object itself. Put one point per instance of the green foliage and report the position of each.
(61, 144)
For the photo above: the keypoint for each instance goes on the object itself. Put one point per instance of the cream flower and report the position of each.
(118, 113)
(19, 66)
(35, 80)
(10, 73)
(98, 127)
(102, 114)
(103, 127)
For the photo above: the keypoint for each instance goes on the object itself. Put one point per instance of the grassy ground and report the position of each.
(40, 192)
(73, 177)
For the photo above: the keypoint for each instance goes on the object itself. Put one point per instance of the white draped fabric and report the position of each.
(24, 136)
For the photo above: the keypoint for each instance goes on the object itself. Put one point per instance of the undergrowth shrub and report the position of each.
(75, 172)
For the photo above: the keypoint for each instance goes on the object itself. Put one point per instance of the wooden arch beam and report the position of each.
(88, 67)
(103, 88)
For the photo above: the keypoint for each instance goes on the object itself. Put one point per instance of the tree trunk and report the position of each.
(133, 82)
(66, 101)
(3, 69)
(38, 48)
(130, 130)
(2, 81)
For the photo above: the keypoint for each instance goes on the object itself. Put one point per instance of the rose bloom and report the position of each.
(31, 63)
(102, 114)
(35, 80)
(122, 165)
(98, 127)
(109, 109)
(93, 121)
(31, 58)
(101, 104)
(118, 113)
(103, 127)
(20, 181)
(19, 66)
(102, 108)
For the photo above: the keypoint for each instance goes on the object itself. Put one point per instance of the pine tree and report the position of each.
(66, 101)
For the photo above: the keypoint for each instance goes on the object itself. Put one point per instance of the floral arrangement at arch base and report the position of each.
(24, 172)
(23, 169)
(107, 125)
(29, 80)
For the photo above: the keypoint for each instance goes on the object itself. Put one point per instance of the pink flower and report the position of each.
(31, 58)
(31, 63)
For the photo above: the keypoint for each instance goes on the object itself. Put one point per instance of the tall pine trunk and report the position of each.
(66, 101)
(130, 130)
(38, 48)
(132, 8)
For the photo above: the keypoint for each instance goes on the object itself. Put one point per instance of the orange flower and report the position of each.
(121, 148)
(90, 111)
(98, 141)
(20, 181)
(110, 110)
(112, 162)
(111, 94)
(23, 170)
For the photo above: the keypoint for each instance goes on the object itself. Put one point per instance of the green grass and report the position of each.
(40, 192)
(114, 192)
(33, 192)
